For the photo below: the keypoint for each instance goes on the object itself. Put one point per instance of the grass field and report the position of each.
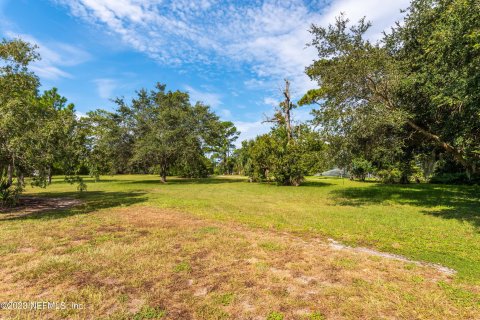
(223, 248)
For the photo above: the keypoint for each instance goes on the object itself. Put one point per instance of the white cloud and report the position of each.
(271, 101)
(54, 57)
(382, 14)
(46, 71)
(105, 87)
(249, 130)
(269, 36)
(212, 99)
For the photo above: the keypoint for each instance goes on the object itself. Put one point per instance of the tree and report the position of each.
(287, 153)
(109, 142)
(403, 94)
(361, 168)
(159, 132)
(36, 131)
(223, 145)
(18, 89)
(57, 121)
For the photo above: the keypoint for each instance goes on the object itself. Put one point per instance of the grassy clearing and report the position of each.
(150, 263)
(129, 252)
(431, 223)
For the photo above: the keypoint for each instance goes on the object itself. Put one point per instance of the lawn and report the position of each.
(225, 248)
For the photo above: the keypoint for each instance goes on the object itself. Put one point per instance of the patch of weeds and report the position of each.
(316, 316)
(78, 248)
(182, 267)
(408, 296)
(271, 246)
(211, 313)
(54, 268)
(261, 266)
(345, 263)
(225, 299)
(410, 266)
(359, 282)
(375, 258)
(275, 316)
(417, 279)
(8, 248)
(102, 238)
(208, 230)
(123, 298)
(460, 295)
(148, 312)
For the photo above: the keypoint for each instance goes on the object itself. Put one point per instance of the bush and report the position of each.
(287, 168)
(9, 194)
(392, 175)
(361, 168)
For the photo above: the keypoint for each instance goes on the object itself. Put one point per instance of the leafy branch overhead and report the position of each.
(413, 92)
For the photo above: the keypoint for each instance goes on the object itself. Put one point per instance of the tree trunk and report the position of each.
(404, 179)
(50, 174)
(163, 171)
(21, 180)
(10, 174)
(287, 108)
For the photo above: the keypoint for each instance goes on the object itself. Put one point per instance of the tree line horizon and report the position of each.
(405, 108)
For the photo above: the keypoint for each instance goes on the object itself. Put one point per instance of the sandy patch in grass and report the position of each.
(149, 263)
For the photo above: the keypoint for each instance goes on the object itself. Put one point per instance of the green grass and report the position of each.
(433, 223)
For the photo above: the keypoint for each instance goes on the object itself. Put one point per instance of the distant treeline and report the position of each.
(404, 108)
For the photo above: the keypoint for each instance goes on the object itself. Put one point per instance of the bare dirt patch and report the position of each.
(157, 263)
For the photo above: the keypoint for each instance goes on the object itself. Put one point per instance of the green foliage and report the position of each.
(182, 267)
(37, 131)
(226, 299)
(148, 312)
(9, 193)
(223, 138)
(412, 93)
(455, 178)
(317, 316)
(271, 157)
(361, 168)
(390, 175)
(158, 132)
(275, 316)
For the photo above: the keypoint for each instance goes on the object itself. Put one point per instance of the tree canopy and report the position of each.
(413, 93)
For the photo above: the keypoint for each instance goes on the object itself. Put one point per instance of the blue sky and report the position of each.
(231, 55)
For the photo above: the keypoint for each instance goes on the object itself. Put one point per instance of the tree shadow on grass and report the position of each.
(315, 184)
(177, 180)
(223, 180)
(458, 202)
(86, 202)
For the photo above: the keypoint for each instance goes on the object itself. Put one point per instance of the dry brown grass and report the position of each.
(140, 262)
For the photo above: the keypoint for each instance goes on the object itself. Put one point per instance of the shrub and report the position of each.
(392, 175)
(287, 168)
(9, 194)
(361, 168)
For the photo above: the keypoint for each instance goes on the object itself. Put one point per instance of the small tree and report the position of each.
(361, 168)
